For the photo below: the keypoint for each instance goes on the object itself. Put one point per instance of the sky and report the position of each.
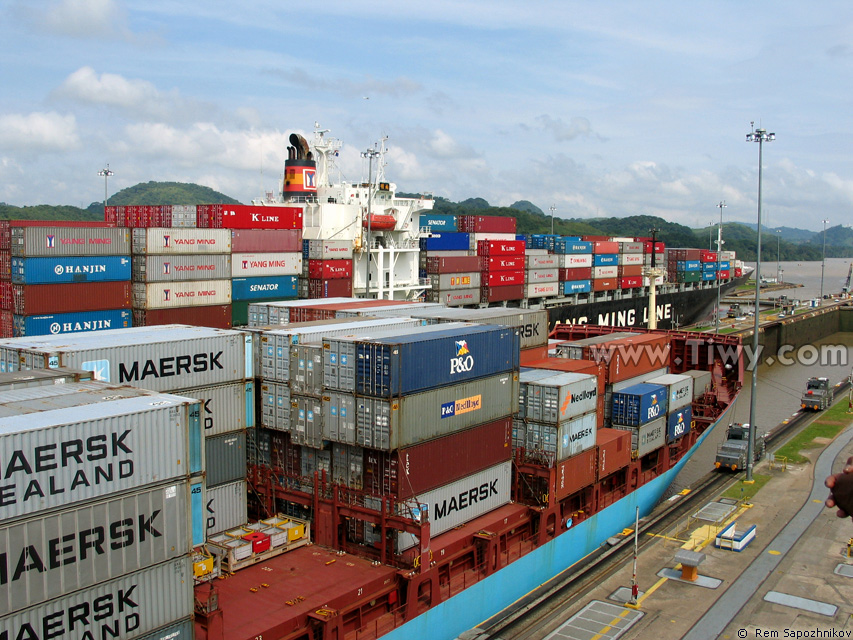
(595, 108)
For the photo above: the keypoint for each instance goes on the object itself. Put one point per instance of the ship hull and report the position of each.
(488, 597)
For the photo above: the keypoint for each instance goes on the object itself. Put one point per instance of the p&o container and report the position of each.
(678, 423)
(639, 404)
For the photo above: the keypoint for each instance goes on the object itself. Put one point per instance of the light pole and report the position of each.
(105, 174)
(370, 154)
(710, 235)
(759, 136)
(823, 262)
(553, 209)
(778, 256)
(722, 206)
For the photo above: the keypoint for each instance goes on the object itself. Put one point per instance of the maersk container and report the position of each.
(34, 242)
(678, 422)
(175, 268)
(577, 286)
(52, 554)
(126, 444)
(249, 265)
(639, 404)
(459, 502)
(348, 465)
(225, 458)
(648, 437)
(446, 242)
(226, 507)
(559, 397)
(225, 407)
(266, 240)
(38, 299)
(443, 222)
(306, 369)
(165, 295)
(26, 379)
(263, 287)
(169, 240)
(329, 249)
(126, 607)
(701, 382)
(679, 389)
(70, 269)
(532, 324)
(81, 321)
(339, 413)
(576, 435)
(274, 398)
(306, 421)
(405, 421)
(161, 358)
(264, 314)
(448, 281)
(391, 367)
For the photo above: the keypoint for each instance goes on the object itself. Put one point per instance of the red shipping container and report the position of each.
(532, 354)
(631, 271)
(575, 473)
(707, 256)
(575, 273)
(486, 224)
(632, 356)
(631, 283)
(37, 299)
(266, 240)
(7, 324)
(435, 463)
(725, 274)
(501, 248)
(329, 288)
(215, 316)
(453, 264)
(503, 263)
(330, 269)
(605, 247)
(241, 216)
(738, 272)
(605, 284)
(614, 450)
(110, 215)
(595, 238)
(6, 295)
(502, 294)
(503, 278)
(260, 541)
(647, 247)
(5, 265)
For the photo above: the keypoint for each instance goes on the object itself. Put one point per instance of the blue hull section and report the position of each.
(486, 598)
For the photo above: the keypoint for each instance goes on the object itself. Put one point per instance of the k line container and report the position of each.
(330, 269)
(165, 295)
(258, 288)
(241, 216)
(174, 268)
(225, 458)
(62, 323)
(161, 358)
(462, 501)
(38, 299)
(251, 265)
(648, 437)
(266, 240)
(124, 444)
(69, 241)
(49, 555)
(639, 404)
(391, 367)
(225, 407)
(503, 263)
(226, 507)
(126, 607)
(170, 240)
(556, 397)
(216, 316)
(679, 389)
(70, 269)
(503, 278)
(401, 422)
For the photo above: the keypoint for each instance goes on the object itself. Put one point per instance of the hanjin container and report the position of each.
(34, 242)
(70, 269)
(170, 240)
(80, 321)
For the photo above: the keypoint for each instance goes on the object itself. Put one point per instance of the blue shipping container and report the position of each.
(74, 269)
(709, 266)
(399, 365)
(439, 221)
(709, 275)
(447, 242)
(263, 288)
(571, 246)
(724, 266)
(637, 405)
(605, 259)
(577, 286)
(81, 321)
(678, 423)
(688, 265)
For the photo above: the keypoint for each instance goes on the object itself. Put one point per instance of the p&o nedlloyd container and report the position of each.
(126, 607)
(70, 241)
(639, 404)
(170, 240)
(557, 397)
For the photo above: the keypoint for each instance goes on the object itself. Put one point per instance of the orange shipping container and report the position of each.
(630, 270)
(614, 450)
(604, 284)
(575, 473)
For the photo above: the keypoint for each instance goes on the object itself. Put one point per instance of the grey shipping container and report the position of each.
(38, 378)
(574, 350)
(70, 241)
(560, 397)
(576, 436)
(57, 458)
(161, 358)
(329, 249)
(679, 388)
(610, 389)
(197, 266)
(339, 413)
(168, 241)
(225, 407)
(275, 405)
(306, 421)
(225, 458)
(126, 607)
(226, 507)
(532, 324)
(648, 437)
(462, 501)
(47, 556)
(348, 465)
(701, 382)
(182, 630)
(306, 369)
(453, 281)
(262, 314)
(401, 422)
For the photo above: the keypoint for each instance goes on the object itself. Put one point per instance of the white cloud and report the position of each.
(83, 18)
(38, 132)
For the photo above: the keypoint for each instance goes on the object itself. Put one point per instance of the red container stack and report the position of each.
(327, 268)
(503, 268)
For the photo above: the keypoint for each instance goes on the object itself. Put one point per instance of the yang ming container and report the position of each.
(166, 295)
(172, 268)
(226, 507)
(49, 555)
(249, 265)
(161, 358)
(34, 242)
(639, 404)
(390, 367)
(679, 389)
(169, 240)
(70, 269)
(408, 420)
(160, 595)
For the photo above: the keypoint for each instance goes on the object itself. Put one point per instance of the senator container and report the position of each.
(679, 389)
(558, 397)
(125, 444)
(225, 407)
(401, 422)
(63, 270)
(265, 240)
(390, 367)
(439, 222)
(126, 607)
(170, 240)
(639, 404)
(216, 316)
(34, 242)
(225, 458)
(172, 268)
(161, 358)
(248, 265)
(52, 554)
(259, 288)
(462, 501)
(225, 506)
(81, 321)
(648, 437)
(38, 299)
(165, 295)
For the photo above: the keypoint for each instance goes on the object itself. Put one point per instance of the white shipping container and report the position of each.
(558, 397)
(542, 290)
(462, 501)
(455, 297)
(542, 275)
(570, 261)
(727, 256)
(169, 240)
(193, 293)
(171, 268)
(248, 265)
(630, 246)
(476, 237)
(679, 388)
(548, 261)
(262, 314)
(630, 258)
(647, 281)
(226, 507)
(605, 272)
(330, 249)
(577, 435)
(225, 407)
(126, 607)
(445, 281)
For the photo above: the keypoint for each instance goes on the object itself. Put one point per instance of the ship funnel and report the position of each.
(300, 171)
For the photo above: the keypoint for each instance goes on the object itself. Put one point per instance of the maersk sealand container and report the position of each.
(389, 367)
